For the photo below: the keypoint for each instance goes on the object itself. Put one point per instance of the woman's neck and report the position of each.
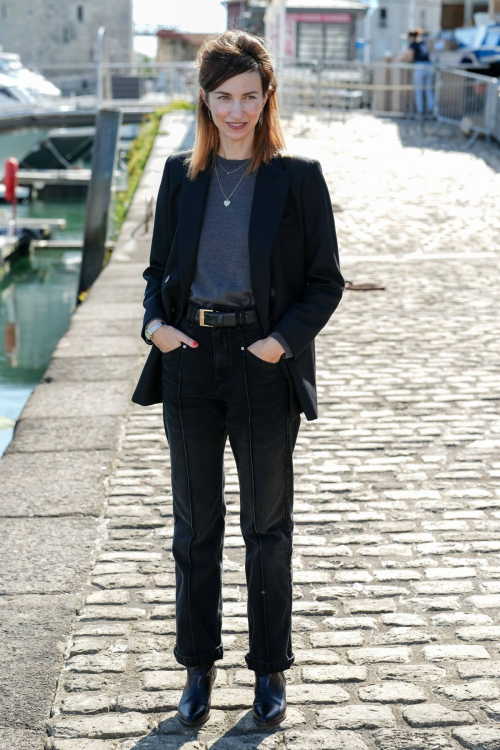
(235, 150)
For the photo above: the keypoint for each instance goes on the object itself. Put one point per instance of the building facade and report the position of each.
(64, 32)
(322, 30)
(236, 10)
(457, 14)
(247, 15)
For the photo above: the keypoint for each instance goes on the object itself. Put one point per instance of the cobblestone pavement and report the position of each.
(397, 500)
(396, 189)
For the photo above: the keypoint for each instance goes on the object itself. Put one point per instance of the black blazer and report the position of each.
(294, 263)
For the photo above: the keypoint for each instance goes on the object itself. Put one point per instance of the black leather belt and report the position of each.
(208, 317)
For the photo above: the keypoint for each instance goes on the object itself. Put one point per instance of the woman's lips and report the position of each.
(236, 125)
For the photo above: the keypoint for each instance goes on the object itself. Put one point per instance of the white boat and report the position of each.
(26, 85)
(475, 47)
(21, 90)
(11, 94)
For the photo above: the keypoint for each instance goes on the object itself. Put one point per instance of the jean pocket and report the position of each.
(258, 359)
(171, 351)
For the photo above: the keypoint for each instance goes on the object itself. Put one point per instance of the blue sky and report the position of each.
(187, 15)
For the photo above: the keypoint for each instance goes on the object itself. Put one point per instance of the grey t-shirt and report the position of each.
(222, 273)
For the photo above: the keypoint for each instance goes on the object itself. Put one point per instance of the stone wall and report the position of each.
(48, 32)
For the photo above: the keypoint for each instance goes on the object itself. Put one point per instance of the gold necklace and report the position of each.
(227, 197)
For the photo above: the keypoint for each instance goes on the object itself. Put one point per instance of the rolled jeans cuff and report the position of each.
(269, 666)
(197, 661)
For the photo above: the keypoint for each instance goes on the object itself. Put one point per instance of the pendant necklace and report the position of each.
(227, 197)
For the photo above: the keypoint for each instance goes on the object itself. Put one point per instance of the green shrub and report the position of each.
(137, 158)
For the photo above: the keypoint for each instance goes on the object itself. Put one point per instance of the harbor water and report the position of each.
(38, 295)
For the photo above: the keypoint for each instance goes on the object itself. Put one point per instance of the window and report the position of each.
(422, 17)
(65, 35)
(382, 18)
(323, 41)
(79, 11)
(4, 11)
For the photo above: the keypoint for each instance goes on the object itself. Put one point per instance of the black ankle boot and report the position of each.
(194, 706)
(269, 706)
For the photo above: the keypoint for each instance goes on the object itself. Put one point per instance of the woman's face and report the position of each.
(236, 105)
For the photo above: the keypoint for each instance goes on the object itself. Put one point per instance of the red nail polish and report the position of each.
(195, 343)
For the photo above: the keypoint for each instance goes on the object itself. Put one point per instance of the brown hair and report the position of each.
(221, 57)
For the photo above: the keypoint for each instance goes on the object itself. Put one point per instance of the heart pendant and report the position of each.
(226, 203)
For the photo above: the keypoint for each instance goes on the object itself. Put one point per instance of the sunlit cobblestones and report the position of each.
(397, 495)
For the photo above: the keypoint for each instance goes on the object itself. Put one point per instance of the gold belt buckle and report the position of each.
(202, 317)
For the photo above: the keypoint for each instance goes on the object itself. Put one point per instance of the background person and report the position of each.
(423, 74)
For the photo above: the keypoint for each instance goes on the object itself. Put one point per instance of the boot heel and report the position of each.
(196, 722)
(271, 722)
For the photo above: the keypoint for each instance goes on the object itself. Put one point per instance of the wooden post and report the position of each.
(98, 196)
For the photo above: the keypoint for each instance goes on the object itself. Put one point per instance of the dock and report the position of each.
(8, 246)
(21, 192)
(19, 245)
(39, 178)
(65, 116)
(56, 244)
(26, 223)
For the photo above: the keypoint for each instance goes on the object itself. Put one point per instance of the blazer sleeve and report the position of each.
(158, 256)
(278, 337)
(303, 320)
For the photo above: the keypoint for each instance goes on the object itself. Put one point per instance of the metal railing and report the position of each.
(495, 132)
(344, 86)
(378, 87)
(467, 100)
(133, 83)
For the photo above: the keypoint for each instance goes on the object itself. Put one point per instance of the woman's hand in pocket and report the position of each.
(267, 349)
(167, 338)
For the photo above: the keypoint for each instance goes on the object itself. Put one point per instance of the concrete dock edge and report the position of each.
(55, 470)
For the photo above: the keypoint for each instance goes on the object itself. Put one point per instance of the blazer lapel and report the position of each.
(271, 190)
(191, 209)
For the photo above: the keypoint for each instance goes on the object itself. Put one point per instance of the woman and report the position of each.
(243, 275)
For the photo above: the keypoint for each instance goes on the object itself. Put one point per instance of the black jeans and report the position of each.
(216, 390)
